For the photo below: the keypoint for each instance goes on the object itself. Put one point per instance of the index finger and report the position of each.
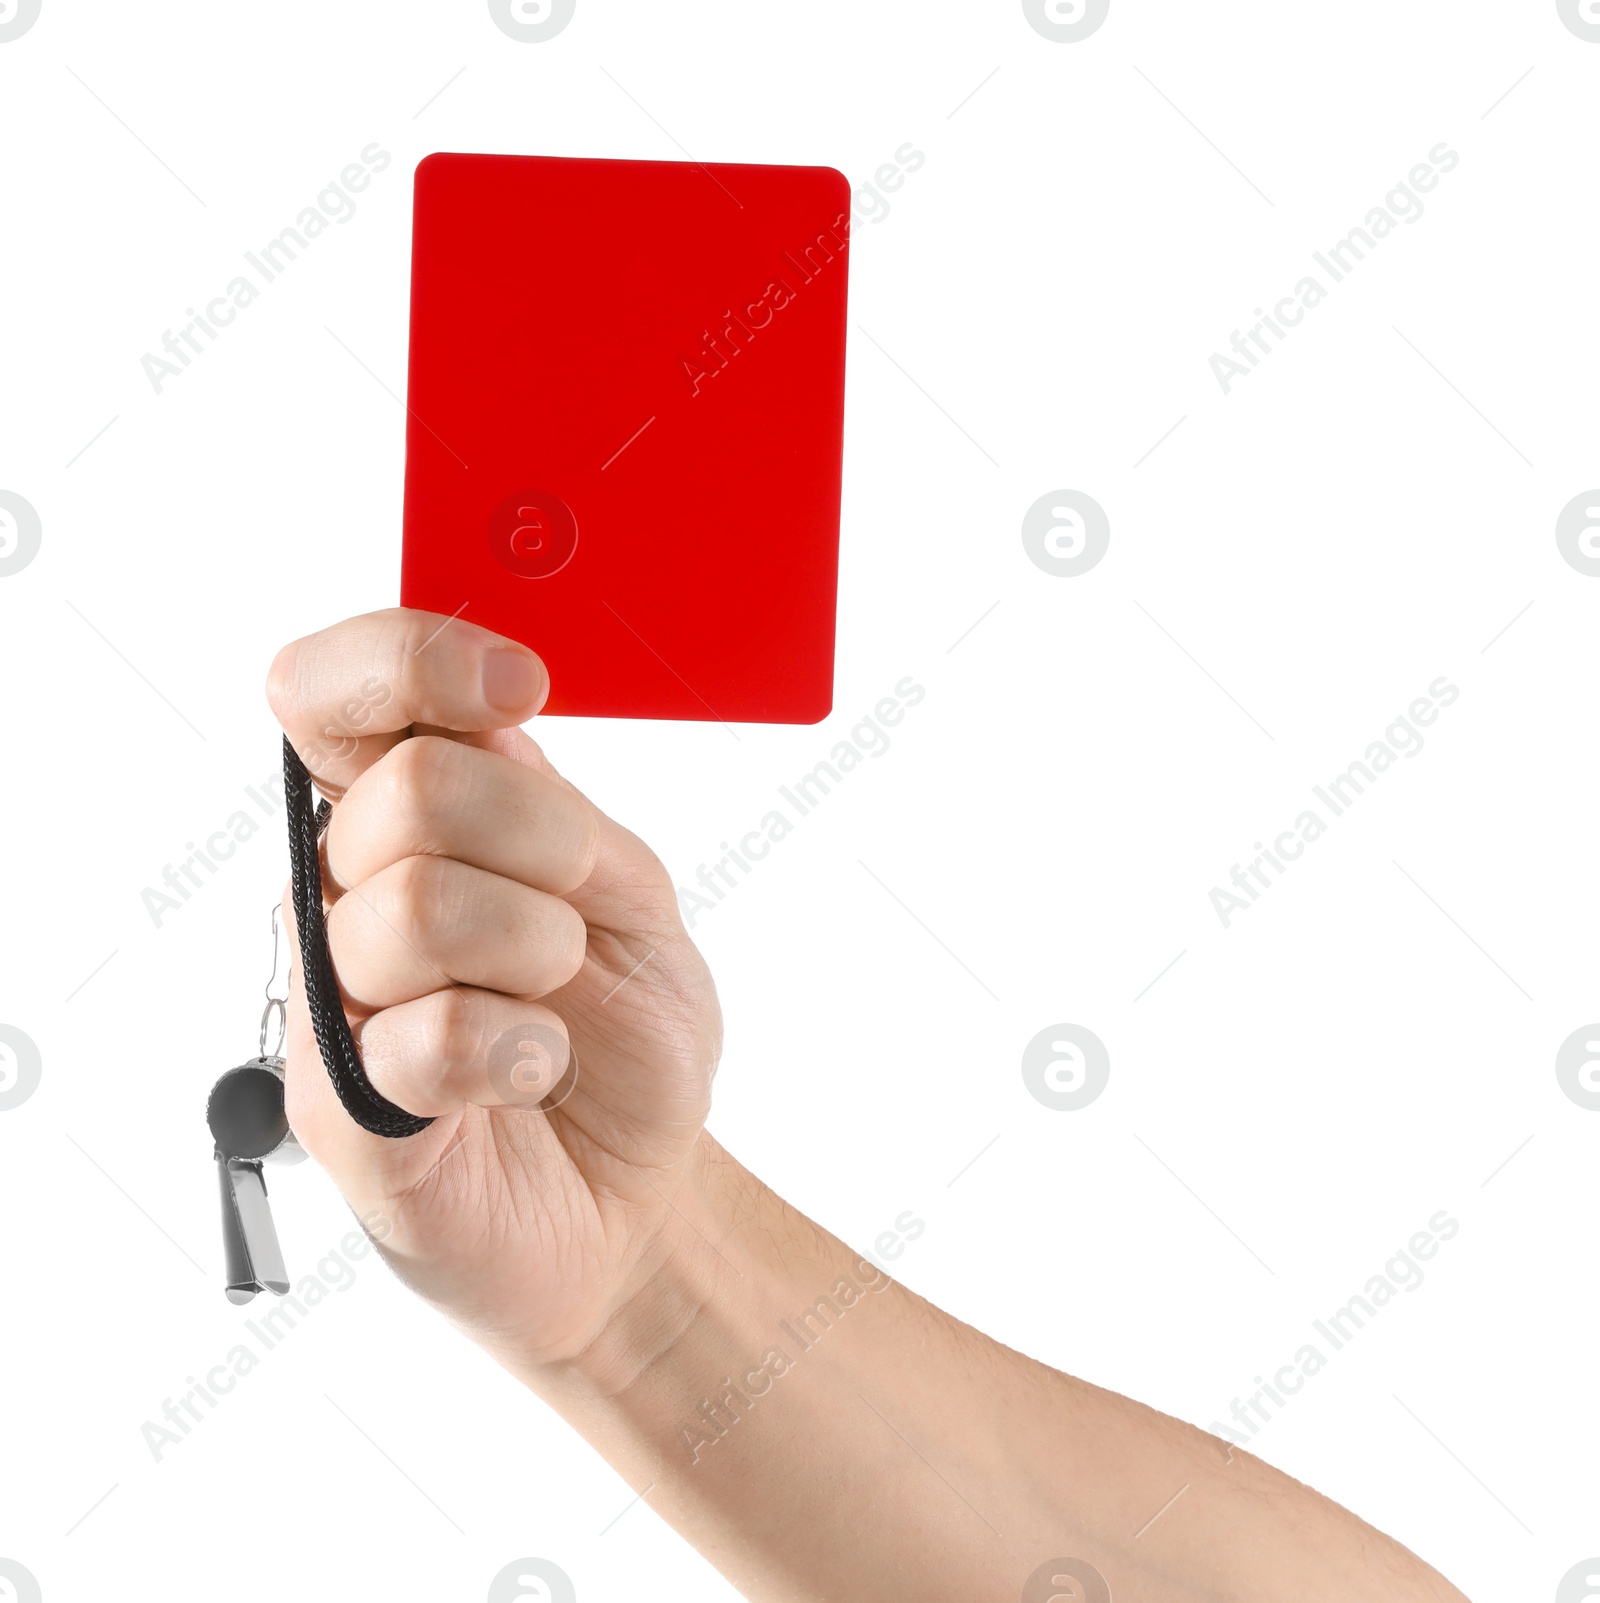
(346, 695)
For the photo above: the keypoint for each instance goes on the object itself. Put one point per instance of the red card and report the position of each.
(626, 424)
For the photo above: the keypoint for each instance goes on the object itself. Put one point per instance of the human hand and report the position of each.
(487, 920)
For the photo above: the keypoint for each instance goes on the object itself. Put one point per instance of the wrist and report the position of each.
(740, 1362)
(715, 1251)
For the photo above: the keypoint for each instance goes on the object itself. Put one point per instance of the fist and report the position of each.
(513, 966)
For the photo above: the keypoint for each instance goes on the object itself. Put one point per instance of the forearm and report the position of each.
(819, 1433)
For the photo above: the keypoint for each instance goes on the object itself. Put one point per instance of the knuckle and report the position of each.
(409, 632)
(452, 1033)
(570, 944)
(406, 635)
(569, 835)
(650, 873)
(420, 778)
(416, 894)
(282, 679)
(655, 891)
(586, 846)
(551, 946)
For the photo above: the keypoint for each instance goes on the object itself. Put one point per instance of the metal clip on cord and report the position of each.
(307, 819)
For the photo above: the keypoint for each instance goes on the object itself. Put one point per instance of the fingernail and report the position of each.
(510, 679)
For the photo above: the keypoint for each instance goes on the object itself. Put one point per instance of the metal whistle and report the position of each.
(249, 1126)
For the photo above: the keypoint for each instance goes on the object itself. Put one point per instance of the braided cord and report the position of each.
(307, 819)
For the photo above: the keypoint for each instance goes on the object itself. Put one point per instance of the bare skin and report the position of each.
(817, 1431)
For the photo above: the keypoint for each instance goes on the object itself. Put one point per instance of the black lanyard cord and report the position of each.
(307, 819)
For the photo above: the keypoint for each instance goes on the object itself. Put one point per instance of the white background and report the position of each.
(1294, 563)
